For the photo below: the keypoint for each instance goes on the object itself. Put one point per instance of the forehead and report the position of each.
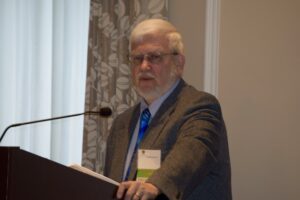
(150, 42)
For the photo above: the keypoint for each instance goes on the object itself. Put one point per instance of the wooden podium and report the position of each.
(26, 176)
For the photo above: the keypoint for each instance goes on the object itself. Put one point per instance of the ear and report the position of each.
(179, 62)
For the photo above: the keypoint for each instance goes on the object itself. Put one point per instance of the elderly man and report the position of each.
(183, 126)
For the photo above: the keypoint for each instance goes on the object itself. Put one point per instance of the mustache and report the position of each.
(145, 75)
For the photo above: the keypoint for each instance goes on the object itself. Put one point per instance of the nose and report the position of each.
(145, 65)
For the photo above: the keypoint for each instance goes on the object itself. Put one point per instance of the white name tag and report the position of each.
(148, 161)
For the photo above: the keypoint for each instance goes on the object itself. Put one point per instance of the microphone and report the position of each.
(103, 112)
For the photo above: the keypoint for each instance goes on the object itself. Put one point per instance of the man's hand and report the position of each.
(137, 191)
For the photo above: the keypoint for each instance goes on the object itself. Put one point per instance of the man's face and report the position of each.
(153, 67)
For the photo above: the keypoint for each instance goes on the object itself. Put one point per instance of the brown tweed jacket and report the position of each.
(190, 132)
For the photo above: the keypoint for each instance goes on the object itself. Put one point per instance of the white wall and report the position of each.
(259, 90)
(189, 18)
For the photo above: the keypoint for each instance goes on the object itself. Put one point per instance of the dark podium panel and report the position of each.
(26, 176)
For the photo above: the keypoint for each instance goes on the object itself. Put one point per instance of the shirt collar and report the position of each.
(154, 106)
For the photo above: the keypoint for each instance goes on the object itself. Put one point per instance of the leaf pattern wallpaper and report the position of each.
(108, 80)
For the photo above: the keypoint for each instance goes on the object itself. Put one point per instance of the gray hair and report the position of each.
(159, 27)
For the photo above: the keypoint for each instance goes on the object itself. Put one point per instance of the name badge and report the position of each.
(148, 161)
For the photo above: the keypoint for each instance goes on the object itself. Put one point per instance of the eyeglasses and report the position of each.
(152, 57)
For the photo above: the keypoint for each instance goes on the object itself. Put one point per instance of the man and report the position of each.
(186, 126)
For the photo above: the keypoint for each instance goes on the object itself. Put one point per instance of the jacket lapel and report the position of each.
(162, 116)
(122, 139)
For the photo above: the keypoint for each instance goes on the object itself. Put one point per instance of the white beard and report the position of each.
(157, 91)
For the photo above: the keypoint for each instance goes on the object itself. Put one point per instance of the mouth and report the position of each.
(146, 77)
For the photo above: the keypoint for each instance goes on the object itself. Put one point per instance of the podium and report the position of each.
(26, 176)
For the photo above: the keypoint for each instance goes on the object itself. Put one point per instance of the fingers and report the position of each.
(128, 189)
(135, 190)
(137, 196)
(132, 191)
(121, 190)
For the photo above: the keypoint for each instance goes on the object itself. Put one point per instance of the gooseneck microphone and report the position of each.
(103, 112)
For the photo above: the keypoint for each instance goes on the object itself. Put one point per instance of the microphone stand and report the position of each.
(103, 112)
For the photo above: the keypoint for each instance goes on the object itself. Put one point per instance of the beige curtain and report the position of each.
(108, 74)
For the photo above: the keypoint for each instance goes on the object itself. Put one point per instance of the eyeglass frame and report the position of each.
(151, 57)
